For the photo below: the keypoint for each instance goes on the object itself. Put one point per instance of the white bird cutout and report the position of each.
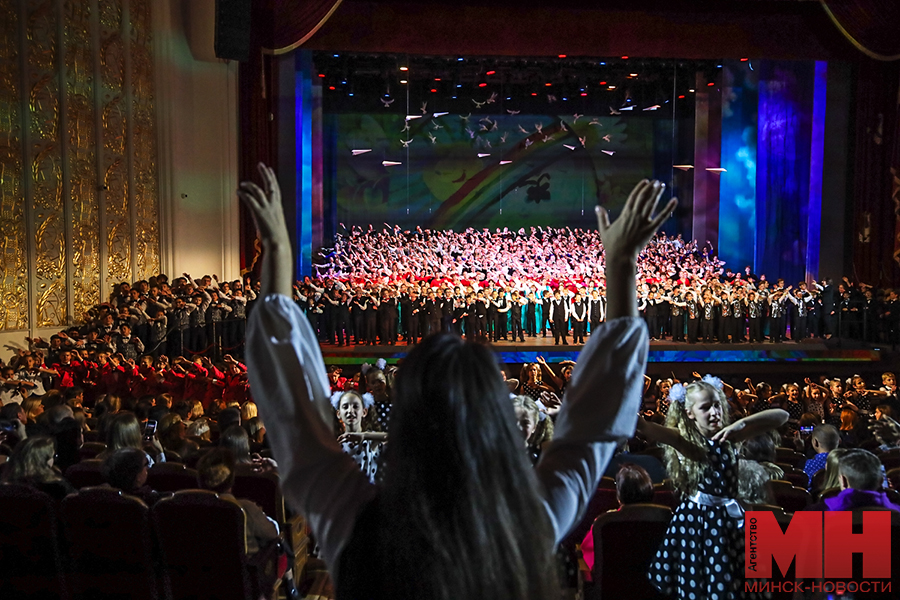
(546, 138)
(503, 138)
(405, 127)
(494, 126)
(435, 126)
(387, 103)
(465, 119)
(595, 122)
(470, 132)
(551, 98)
(406, 143)
(528, 142)
(484, 127)
(576, 116)
(424, 108)
(513, 112)
(432, 138)
(607, 138)
(492, 99)
(539, 127)
(583, 140)
(523, 130)
(485, 120)
(613, 111)
(477, 103)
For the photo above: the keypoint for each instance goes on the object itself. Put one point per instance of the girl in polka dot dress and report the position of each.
(377, 383)
(702, 556)
(364, 447)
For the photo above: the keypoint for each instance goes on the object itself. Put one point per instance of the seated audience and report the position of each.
(633, 486)
(173, 436)
(126, 469)
(31, 463)
(125, 432)
(861, 480)
(825, 438)
(216, 471)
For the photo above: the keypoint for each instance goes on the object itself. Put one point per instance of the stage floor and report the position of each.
(661, 352)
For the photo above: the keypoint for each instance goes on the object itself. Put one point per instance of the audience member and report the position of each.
(31, 463)
(861, 479)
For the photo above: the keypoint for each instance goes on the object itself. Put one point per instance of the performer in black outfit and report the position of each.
(559, 318)
(738, 315)
(756, 311)
(692, 308)
(515, 317)
(416, 317)
(531, 315)
(676, 309)
(547, 300)
(481, 314)
(578, 313)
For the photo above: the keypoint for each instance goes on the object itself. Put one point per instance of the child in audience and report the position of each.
(832, 472)
(703, 551)
(633, 486)
(364, 447)
(861, 480)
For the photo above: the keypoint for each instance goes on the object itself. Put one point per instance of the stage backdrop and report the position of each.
(489, 170)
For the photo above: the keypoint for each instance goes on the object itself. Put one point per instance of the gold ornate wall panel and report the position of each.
(81, 155)
(78, 191)
(116, 122)
(13, 245)
(144, 155)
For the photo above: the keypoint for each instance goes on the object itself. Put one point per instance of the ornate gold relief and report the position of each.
(13, 244)
(81, 157)
(45, 154)
(115, 129)
(144, 158)
(54, 159)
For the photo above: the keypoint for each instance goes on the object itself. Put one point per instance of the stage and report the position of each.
(812, 356)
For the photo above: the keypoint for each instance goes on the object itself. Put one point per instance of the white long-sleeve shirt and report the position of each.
(289, 381)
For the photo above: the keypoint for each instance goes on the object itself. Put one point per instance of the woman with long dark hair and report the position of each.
(461, 513)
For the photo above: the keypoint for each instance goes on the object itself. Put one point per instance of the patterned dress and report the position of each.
(702, 556)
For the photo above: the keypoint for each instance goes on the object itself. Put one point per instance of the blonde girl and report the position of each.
(702, 554)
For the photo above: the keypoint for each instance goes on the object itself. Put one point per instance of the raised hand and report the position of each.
(636, 225)
(624, 239)
(265, 206)
(268, 214)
